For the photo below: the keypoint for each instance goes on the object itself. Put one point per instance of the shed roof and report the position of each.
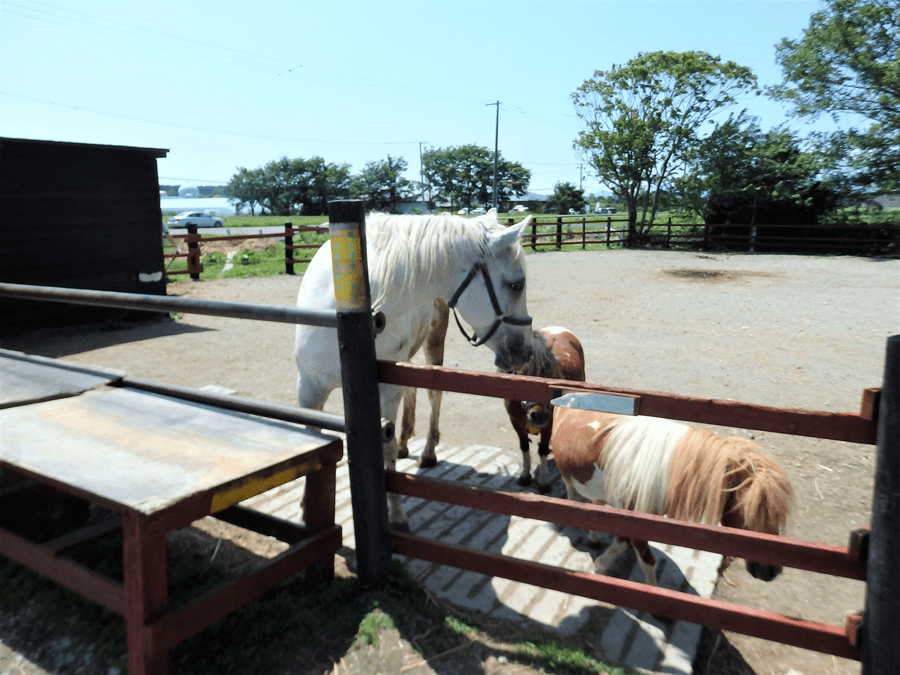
(154, 152)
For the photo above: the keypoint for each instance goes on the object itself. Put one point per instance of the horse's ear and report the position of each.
(492, 213)
(507, 237)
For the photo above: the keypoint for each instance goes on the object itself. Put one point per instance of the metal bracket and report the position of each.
(619, 404)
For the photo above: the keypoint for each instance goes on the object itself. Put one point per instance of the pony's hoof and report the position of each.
(544, 489)
(427, 462)
(402, 453)
(524, 480)
(401, 527)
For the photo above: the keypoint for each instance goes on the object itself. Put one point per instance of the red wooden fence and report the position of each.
(195, 240)
(849, 561)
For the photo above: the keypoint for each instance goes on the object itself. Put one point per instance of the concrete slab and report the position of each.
(633, 639)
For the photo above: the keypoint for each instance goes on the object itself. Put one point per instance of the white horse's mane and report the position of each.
(406, 251)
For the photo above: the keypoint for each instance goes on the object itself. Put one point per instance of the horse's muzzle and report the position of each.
(537, 414)
(762, 571)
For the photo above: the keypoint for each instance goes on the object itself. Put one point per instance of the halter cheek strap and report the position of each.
(500, 317)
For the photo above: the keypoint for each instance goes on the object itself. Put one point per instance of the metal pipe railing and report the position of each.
(164, 303)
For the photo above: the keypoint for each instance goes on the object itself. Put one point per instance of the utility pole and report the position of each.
(422, 179)
(496, 146)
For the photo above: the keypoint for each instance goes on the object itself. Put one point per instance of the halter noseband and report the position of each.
(500, 317)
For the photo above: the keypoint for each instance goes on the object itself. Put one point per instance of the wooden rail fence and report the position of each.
(846, 561)
(195, 240)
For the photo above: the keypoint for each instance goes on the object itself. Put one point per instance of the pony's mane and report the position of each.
(542, 363)
(405, 251)
(707, 470)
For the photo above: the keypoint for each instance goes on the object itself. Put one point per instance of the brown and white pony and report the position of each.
(557, 355)
(667, 468)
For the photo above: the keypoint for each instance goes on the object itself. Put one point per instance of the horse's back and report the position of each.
(579, 437)
(567, 350)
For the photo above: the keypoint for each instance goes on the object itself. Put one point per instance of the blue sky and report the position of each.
(225, 84)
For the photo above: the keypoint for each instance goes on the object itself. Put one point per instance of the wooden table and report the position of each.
(158, 463)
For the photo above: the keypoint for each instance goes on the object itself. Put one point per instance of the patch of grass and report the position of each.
(274, 221)
(551, 657)
(371, 626)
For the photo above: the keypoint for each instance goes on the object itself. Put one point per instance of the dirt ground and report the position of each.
(791, 331)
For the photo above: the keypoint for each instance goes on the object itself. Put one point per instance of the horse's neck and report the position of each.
(543, 363)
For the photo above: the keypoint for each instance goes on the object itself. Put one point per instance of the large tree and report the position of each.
(286, 185)
(382, 184)
(848, 61)
(464, 174)
(639, 118)
(565, 196)
(740, 174)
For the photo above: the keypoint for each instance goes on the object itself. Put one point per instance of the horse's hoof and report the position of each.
(401, 527)
(427, 462)
(524, 480)
(402, 453)
(545, 489)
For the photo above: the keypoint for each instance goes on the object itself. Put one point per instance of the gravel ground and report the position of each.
(791, 331)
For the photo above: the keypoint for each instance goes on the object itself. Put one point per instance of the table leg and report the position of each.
(319, 513)
(146, 594)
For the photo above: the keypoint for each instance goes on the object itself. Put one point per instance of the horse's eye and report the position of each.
(517, 286)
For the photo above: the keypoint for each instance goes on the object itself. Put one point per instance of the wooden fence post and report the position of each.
(534, 235)
(881, 630)
(359, 379)
(288, 249)
(558, 233)
(193, 255)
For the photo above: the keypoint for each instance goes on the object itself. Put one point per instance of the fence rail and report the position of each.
(850, 561)
(195, 241)
(609, 231)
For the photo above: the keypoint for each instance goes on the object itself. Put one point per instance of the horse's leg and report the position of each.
(605, 560)
(407, 422)
(646, 559)
(434, 356)
(543, 472)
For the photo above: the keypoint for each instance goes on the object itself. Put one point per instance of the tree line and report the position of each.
(646, 135)
(463, 175)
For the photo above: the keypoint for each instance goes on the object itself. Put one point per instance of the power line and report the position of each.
(169, 123)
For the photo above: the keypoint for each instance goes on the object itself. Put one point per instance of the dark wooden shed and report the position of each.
(77, 215)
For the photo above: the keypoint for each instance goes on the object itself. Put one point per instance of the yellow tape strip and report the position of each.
(254, 486)
(346, 262)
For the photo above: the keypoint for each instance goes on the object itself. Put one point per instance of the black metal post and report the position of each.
(359, 379)
(193, 256)
(288, 249)
(881, 630)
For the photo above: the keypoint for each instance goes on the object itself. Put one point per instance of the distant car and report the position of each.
(606, 209)
(477, 212)
(198, 218)
(518, 208)
(463, 212)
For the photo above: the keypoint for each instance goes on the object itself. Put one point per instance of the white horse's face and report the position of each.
(511, 339)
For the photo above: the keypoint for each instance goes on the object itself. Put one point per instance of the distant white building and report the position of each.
(217, 206)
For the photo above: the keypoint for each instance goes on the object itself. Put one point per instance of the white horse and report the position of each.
(474, 265)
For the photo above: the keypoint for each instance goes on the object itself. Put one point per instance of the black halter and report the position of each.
(474, 340)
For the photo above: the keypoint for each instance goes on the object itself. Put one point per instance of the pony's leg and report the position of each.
(646, 559)
(525, 476)
(390, 396)
(434, 356)
(604, 561)
(407, 422)
(543, 472)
